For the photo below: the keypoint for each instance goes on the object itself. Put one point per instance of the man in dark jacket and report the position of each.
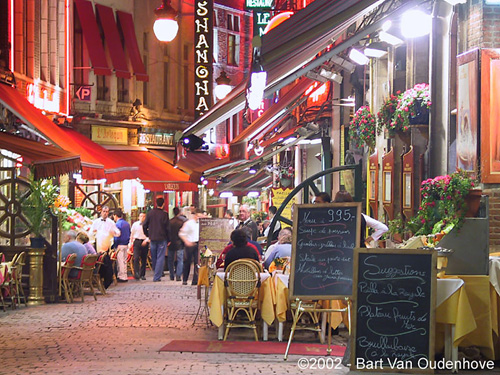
(156, 227)
(176, 246)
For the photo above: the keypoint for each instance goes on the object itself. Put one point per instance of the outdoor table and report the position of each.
(217, 299)
(282, 304)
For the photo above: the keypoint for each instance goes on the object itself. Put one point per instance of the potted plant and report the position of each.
(384, 116)
(363, 128)
(286, 176)
(396, 229)
(36, 208)
(413, 108)
(443, 201)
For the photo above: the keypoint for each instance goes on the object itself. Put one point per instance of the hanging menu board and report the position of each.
(215, 234)
(394, 301)
(324, 236)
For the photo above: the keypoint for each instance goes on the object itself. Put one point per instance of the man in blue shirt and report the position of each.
(121, 245)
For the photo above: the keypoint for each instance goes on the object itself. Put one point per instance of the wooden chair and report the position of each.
(242, 282)
(17, 276)
(85, 275)
(65, 269)
(96, 278)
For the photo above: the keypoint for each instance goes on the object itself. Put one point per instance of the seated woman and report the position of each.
(241, 250)
(252, 244)
(83, 238)
(280, 250)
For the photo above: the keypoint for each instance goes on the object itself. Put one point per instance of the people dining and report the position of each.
(241, 250)
(282, 249)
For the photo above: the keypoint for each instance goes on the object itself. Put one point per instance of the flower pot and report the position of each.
(285, 182)
(37, 242)
(473, 201)
(421, 113)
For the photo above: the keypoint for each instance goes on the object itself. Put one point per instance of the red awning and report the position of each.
(92, 169)
(128, 29)
(46, 161)
(275, 112)
(92, 37)
(156, 174)
(189, 164)
(113, 41)
(115, 168)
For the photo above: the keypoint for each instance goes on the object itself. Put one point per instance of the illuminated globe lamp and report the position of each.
(223, 86)
(165, 26)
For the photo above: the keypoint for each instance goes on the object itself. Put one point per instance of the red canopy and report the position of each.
(46, 161)
(156, 174)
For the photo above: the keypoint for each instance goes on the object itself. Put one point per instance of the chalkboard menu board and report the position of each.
(324, 236)
(215, 234)
(394, 301)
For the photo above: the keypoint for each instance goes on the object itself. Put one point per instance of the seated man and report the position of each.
(281, 249)
(241, 250)
(72, 246)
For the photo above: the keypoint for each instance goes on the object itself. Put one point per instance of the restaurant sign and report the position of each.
(203, 55)
(109, 135)
(156, 139)
(252, 4)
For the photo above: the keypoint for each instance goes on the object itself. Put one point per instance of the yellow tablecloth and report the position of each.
(218, 296)
(282, 304)
(473, 309)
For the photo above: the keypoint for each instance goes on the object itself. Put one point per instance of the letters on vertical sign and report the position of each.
(203, 48)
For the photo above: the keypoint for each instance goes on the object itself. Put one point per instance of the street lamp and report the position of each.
(165, 26)
(223, 86)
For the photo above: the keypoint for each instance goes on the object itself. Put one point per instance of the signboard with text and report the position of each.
(109, 135)
(203, 56)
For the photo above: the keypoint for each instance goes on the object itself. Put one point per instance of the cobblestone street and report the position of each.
(121, 333)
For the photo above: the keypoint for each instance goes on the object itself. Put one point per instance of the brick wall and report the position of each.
(483, 31)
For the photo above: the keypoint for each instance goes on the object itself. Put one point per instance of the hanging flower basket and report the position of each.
(414, 103)
(384, 116)
(363, 128)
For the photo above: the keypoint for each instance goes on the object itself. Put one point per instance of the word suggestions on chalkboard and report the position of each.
(323, 256)
(393, 309)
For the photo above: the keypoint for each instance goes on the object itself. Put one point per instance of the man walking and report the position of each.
(103, 230)
(121, 245)
(176, 246)
(246, 221)
(140, 244)
(156, 228)
(189, 234)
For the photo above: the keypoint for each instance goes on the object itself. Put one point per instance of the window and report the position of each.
(122, 89)
(233, 22)
(102, 88)
(165, 85)
(145, 86)
(233, 50)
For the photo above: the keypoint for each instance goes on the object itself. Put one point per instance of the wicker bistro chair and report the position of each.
(85, 275)
(6, 286)
(96, 277)
(65, 269)
(315, 317)
(17, 276)
(242, 282)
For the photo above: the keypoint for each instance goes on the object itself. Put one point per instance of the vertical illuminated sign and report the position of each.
(203, 55)
(261, 14)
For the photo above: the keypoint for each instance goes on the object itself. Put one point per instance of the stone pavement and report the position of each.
(121, 334)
